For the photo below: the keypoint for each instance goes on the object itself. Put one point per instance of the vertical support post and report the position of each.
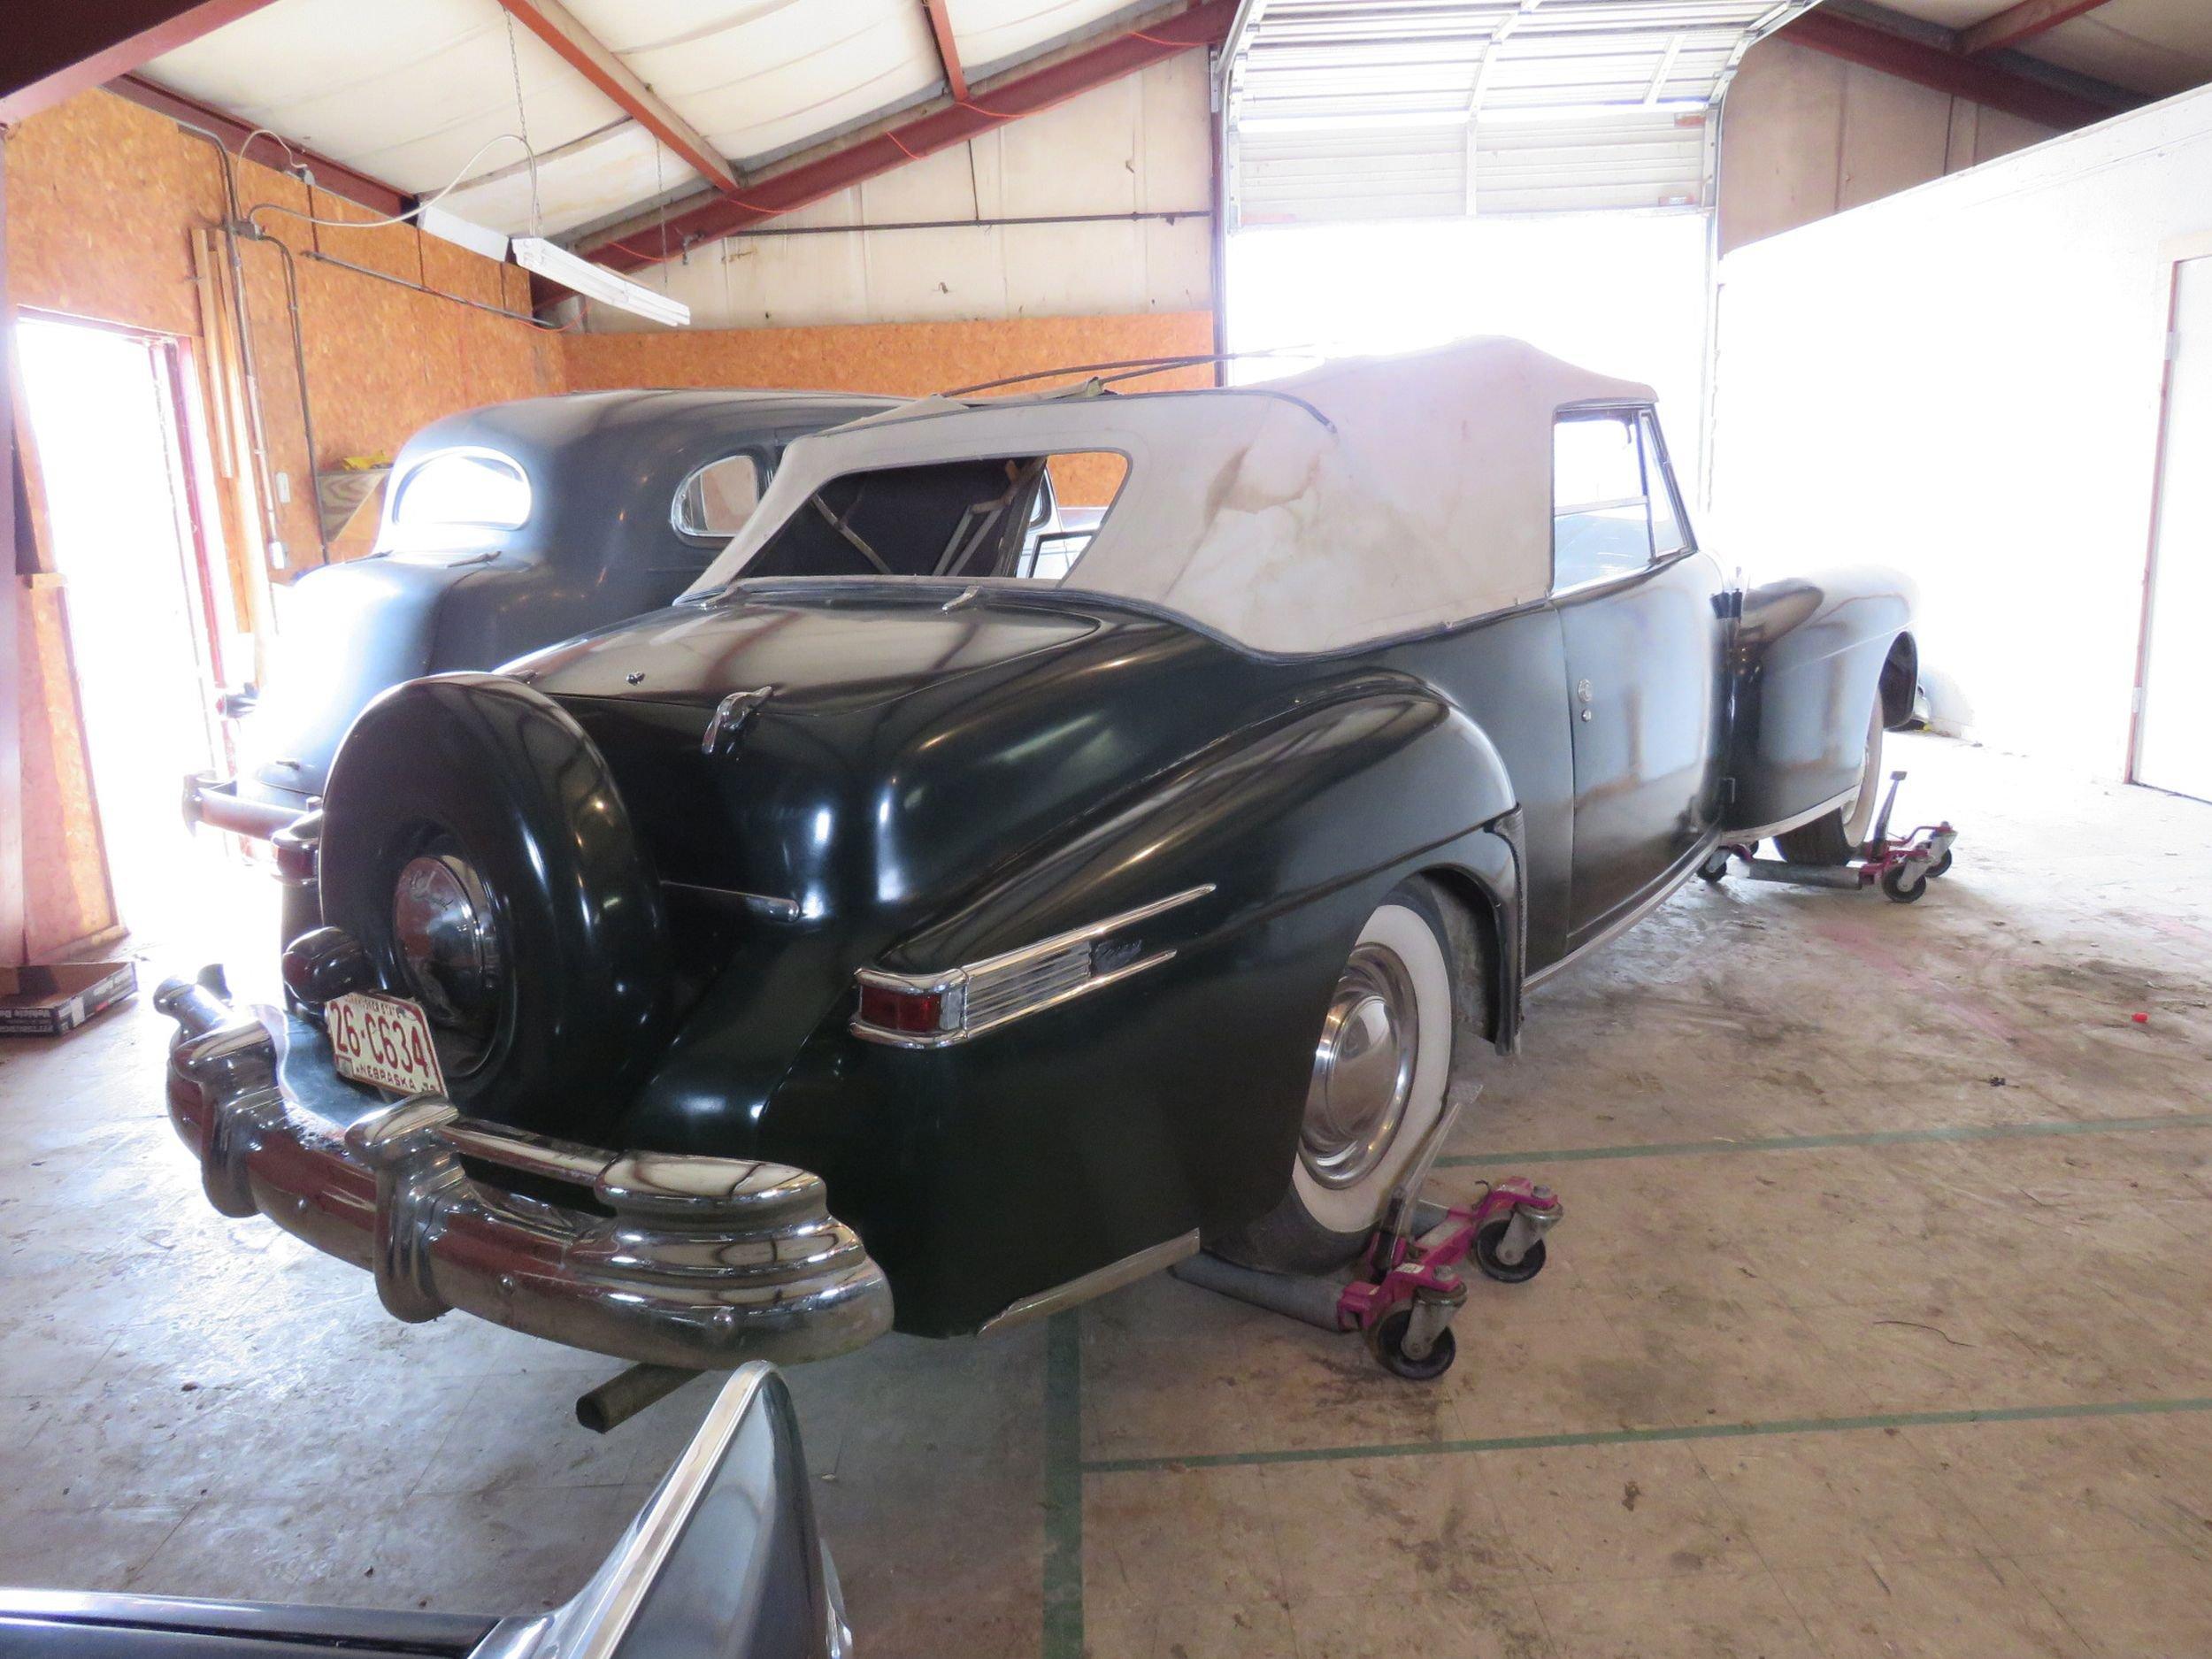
(1217, 181)
(14, 527)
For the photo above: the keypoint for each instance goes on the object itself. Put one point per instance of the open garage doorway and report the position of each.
(122, 505)
(1621, 293)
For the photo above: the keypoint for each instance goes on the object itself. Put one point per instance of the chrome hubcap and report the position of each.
(448, 943)
(1362, 1068)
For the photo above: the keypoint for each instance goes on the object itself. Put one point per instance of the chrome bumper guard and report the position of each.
(666, 1259)
(216, 802)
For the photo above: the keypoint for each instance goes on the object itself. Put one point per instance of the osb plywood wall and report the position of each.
(906, 359)
(105, 201)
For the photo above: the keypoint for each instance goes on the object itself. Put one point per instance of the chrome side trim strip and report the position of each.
(1113, 1276)
(768, 906)
(958, 979)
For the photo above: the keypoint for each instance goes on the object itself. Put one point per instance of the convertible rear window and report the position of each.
(1022, 515)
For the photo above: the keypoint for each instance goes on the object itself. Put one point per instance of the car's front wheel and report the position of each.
(1382, 1061)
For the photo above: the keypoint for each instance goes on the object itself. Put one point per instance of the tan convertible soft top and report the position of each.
(1369, 497)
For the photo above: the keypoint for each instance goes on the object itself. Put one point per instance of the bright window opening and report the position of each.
(468, 491)
(719, 497)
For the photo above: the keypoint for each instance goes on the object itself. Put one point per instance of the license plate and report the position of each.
(384, 1039)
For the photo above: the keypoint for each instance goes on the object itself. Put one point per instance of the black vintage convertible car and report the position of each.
(503, 529)
(938, 917)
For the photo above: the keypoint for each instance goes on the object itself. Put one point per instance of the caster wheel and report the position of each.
(1714, 869)
(1390, 1332)
(1941, 865)
(1895, 887)
(1486, 1242)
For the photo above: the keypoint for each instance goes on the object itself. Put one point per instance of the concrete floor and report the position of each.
(1879, 1325)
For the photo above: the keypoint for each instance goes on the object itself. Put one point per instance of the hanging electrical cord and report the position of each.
(522, 121)
(291, 155)
(403, 218)
(660, 194)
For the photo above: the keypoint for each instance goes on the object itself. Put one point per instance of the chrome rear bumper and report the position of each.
(674, 1260)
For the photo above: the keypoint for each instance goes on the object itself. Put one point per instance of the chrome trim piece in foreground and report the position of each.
(663, 1258)
(593, 1622)
(968, 985)
(701, 1568)
(1113, 1276)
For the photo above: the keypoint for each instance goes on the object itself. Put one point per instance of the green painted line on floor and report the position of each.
(1064, 1487)
(1801, 1143)
(1644, 1437)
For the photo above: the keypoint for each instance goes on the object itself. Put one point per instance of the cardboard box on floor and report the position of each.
(48, 999)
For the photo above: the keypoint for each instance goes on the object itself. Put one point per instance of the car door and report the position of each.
(1644, 637)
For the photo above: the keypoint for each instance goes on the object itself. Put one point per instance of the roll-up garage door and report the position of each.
(1415, 108)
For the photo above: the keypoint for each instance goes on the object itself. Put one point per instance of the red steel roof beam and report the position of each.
(1931, 67)
(334, 176)
(948, 49)
(1010, 99)
(553, 23)
(55, 51)
(2022, 22)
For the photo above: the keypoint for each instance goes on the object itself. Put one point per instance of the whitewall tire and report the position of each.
(1382, 1062)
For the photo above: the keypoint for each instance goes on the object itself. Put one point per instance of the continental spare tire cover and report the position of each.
(475, 844)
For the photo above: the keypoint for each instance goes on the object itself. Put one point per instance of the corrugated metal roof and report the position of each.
(1531, 106)
(411, 91)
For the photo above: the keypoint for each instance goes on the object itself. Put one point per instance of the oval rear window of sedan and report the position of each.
(719, 497)
(480, 488)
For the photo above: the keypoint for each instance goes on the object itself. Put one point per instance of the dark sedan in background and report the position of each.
(505, 529)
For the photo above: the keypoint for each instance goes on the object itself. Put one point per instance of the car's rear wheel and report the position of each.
(1382, 1061)
(1835, 837)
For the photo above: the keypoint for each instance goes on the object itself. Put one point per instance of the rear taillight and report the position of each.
(899, 1010)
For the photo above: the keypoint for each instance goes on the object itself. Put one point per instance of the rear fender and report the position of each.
(1346, 792)
(1073, 1136)
(1813, 656)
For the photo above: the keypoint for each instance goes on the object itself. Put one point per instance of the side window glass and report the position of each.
(1668, 532)
(719, 497)
(1601, 516)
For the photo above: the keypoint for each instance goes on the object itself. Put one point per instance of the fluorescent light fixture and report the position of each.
(453, 229)
(597, 282)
